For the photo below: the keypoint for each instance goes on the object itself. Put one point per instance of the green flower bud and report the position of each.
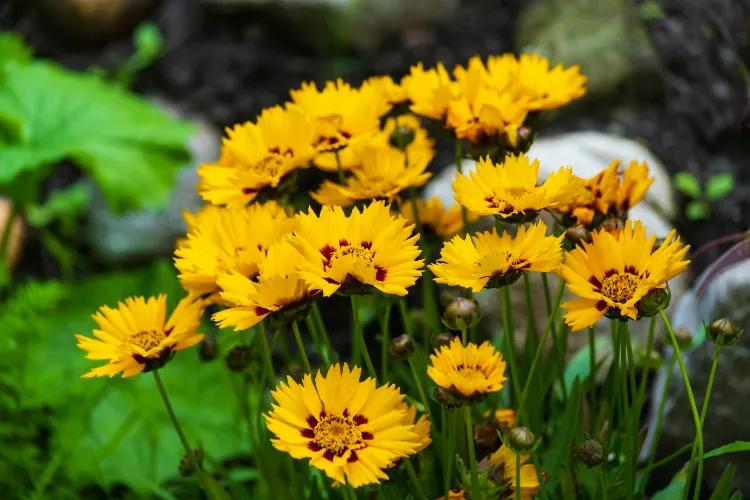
(654, 301)
(590, 453)
(577, 235)
(520, 439)
(185, 468)
(296, 371)
(443, 339)
(208, 349)
(447, 399)
(401, 347)
(462, 314)
(684, 338)
(524, 140)
(238, 358)
(651, 360)
(723, 332)
(401, 137)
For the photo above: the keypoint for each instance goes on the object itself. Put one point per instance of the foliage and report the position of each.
(699, 207)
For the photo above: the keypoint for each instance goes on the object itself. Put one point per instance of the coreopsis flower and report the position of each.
(505, 417)
(488, 260)
(635, 182)
(434, 216)
(382, 176)
(136, 337)
(344, 116)
(504, 461)
(369, 248)
(430, 91)
(278, 293)
(390, 91)
(612, 274)
(509, 190)
(350, 429)
(470, 372)
(222, 239)
(258, 156)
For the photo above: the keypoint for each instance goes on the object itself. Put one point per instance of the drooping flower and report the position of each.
(258, 156)
(504, 461)
(382, 176)
(613, 272)
(137, 337)
(350, 429)
(430, 91)
(225, 239)
(509, 190)
(635, 182)
(367, 248)
(488, 260)
(434, 216)
(278, 293)
(470, 372)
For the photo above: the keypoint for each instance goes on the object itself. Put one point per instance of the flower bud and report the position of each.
(401, 137)
(238, 358)
(590, 453)
(296, 371)
(462, 314)
(447, 399)
(520, 439)
(186, 465)
(612, 225)
(577, 235)
(524, 140)
(446, 297)
(651, 360)
(653, 302)
(444, 339)
(723, 332)
(401, 347)
(208, 349)
(684, 337)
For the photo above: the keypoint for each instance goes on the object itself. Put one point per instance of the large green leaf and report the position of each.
(130, 147)
(674, 489)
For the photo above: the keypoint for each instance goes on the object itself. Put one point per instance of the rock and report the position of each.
(605, 37)
(723, 290)
(365, 24)
(144, 234)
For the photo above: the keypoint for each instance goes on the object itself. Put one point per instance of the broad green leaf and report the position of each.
(13, 48)
(736, 496)
(735, 447)
(697, 210)
(579, 366)
(724, 487)
(686, 183)
(673, 491)
(63, 204)
(129, 146)
(719, 186)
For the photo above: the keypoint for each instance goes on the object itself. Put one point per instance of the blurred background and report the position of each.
(668, 82)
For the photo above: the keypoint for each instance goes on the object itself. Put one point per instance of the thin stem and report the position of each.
(556, 344)
(322, 349)
(301, 347)
(693, 407)
(615, 389)
(266, 352)
(592, 378)
(459, 166)
(644, 375)
(414, 478)
(464, 337)
(420, 388)
(405, 316)
(449, 447)
(518, 476)
(318, 318)
(531, 332)
(361, 339)
(632, 430)
(351, 493)
(539, 476)
(666, 460)
(476, 494)
(602, 483)
(659, 422)
(339, 170)
(385, 340)
(511, 350)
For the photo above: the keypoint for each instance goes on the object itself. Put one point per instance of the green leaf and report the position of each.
(13, 48)
(686, 183)
(129, 146)
(735, 447)
(559, 452)
(673, 491)
(650, 9)
(724, 487)
(736, 496)
(66, 203)
(719, 185)
(579, 367)
(697, 210)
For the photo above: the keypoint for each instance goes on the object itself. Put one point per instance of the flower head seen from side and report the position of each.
(509, 190)
(548, 88)
(633, 187)
(434, 216)
(278, 293)
(488, 260)
(258, 156)
(349, 428)
(137, 337)
(594, 203)
(613, 273)
(383, 176)
(225, 239)
(504, 461)
(390, 91)
(353, 254)
(470, 372)
(430, 91)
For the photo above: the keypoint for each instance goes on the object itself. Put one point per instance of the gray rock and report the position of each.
(723, 290)
(605, 37)
(144, 234)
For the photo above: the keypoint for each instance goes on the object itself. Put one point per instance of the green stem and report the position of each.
(539, 476)
(602, 483)
(450, 446)
(420, 389)
(301, 347)
(322, 349)
(511, 350)
(361, 339)
(556, 343)
(318, 318)
(592, 378)
(339, 170)
(405, 316)
(351, 493)
(659, 422)
(266, 350)
(644, 375)
(531, 332)
(476, 493)
(666, 460)
(473, 329)
(464, 337)
(431, 310)
(414, 478)
(614, 394)
(518, 476)
(693, 407)
(632, 428)
(385, 340)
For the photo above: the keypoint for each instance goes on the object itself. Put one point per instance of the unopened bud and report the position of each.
(684, 338)
(612, 225)
(651, 360)
(444, 339)
(208, 349)
(186, 465)
(447, 398)
(296, 371)
(654, 301)
(578, 235)
(462, 314)
(723, 331)
(520, 439)
(238, 358)
(524, 140)
(401, 347)
(590, 453)
(446, 297)
(401, 137)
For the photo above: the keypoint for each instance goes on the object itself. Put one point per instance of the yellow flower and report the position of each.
(509, 190)
(504, 461)
(382, 176)
(391, 92)
(469, 371)
(350, 429)
(503, 416)
(135, 338)
(430, 91)
(612, 273)
(488, 260)
(635, 183)
(258, 156)
(454, 495)
(226, 239)
(278, 293)
(421, 426)
(367, 248)
(433, 216)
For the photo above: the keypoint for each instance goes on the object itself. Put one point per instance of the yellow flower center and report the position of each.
(273, 161)
(336, 433)
(620, 287)
(354, 250)
(147, 340)
(517, 192)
